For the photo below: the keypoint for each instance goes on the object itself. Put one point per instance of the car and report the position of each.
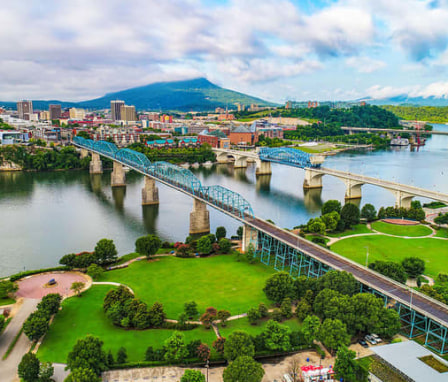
(376, 337)
(370, 340)
(363, 343)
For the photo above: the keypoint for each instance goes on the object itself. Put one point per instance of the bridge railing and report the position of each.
(228, 200)
(287, 155)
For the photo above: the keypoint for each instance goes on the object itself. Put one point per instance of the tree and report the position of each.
(223, 315)
(330, 206)
(279, 286)
(50, 303)
(148, 245)
(316, 225)
(243, 369)
(120, 295)
(88, 353)
(239, 232)
(95, 271)
(156, 315)
(389, 323)
(175, 347)
(83, 134)
(29, 368)
(277, 315)
(286, 308)
(310, 328)
(6, 288)
(191, 309)
(36, 325)
(110, 358)
(122, 355)
(276, 336)
(294, 370)
(105, 251)
(368, 212)
(303, 309)
(225, 245)
(333, 334)
(220, 233)
(368, 310)
(204, 245)
(414, 266)
(82, 374)
(219, 344)
(347, 368)
(250, 254)
(350, 215)
(238, 344)
(207, 319)
(390, 269)
(263, 310)
(191, 375)
(46, 372)
(203, 352)
(253, 315)
(77, 287)
(331, 220)
(343, 282)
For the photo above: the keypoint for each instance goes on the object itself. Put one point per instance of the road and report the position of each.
(9, 366)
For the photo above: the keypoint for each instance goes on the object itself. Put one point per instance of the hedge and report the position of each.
(21, 275)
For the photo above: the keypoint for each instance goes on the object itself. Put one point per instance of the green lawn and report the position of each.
(433, 251)
(217, 281)
(355, 230)
(401, 230)
(6, 301)
(442, 232)
(243, 324)
(84, 315)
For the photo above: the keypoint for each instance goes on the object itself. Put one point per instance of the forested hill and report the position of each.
(420, 113)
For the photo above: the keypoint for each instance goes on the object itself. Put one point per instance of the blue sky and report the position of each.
(277, 50)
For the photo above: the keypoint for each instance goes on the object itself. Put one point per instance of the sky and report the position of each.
(278, 50)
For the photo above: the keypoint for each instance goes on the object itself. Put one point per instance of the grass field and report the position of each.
(355, 230)
(442, 232)
(84, 315)
(243, 324)
(217, 281)
(6, 301)
(433, 251)
(401, 230)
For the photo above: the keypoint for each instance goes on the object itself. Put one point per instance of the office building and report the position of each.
(115, 109)
(55, 111)
(127, 113)
(77, 114)
(25, 108)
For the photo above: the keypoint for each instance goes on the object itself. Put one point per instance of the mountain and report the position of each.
(191, 95)
(405, 100)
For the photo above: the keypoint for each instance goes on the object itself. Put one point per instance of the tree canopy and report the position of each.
(243, 369)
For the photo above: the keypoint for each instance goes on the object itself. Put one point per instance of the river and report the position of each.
(46, 215)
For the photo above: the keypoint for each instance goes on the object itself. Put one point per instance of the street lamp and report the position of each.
(207, 366)
(367, 255)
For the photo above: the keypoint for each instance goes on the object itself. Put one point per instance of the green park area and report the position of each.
(401, 230)
(244, 325)
(355, 230)
(218, 281)
(380, 247)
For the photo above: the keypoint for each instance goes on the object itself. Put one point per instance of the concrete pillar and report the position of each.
(313, 179)
(263, 167)
(96, 166)
(403, 199)
(240, 162)
(84, 153)
(222, 158)
(150, 193)
(352, 189)
(250, 236)
(199, 218)
(118, 176)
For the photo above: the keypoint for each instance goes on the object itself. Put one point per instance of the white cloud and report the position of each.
(365, 64)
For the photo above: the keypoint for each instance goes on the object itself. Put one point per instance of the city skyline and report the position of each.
(299, 50)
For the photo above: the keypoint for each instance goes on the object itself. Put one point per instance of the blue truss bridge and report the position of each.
(279, 248)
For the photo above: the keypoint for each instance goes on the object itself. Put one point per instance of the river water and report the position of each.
(44, 216)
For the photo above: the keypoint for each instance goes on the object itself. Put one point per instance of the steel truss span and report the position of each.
(288, 156)
(176, 176)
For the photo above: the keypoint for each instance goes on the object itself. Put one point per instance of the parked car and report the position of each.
(376, 337)
(363, 343)
(370, 340)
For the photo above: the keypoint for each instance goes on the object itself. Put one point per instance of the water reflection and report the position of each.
(150, 214)
(263, 184)
(313, 199)
(119, 194)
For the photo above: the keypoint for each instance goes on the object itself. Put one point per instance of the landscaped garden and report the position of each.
(402, 230)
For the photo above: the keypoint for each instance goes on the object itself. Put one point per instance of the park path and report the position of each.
(114, 284)
(9, 366)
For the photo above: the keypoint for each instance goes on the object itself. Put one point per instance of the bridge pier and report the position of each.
(199, 218)
(250, 236)
(403, 199)
(313, 179)
(263, 167)
(150, 193)
(84, 153)
(118, 176)
(240, 162)
(222, 158)
(96, 166)
(352, 189)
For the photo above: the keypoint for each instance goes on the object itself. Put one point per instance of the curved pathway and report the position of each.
(114, 284)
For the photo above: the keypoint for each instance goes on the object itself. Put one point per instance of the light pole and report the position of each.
(207, 366)
(367, 256)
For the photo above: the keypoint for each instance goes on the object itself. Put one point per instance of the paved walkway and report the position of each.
(8, 367)
(113, 283)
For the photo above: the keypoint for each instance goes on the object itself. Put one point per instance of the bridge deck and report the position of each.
(432, 309)
(385, 130)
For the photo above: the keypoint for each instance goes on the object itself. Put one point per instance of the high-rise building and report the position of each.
(25, 108)
(77, 114)
(115, 109)
(44, 115)
(128, 113)
(55, 111)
